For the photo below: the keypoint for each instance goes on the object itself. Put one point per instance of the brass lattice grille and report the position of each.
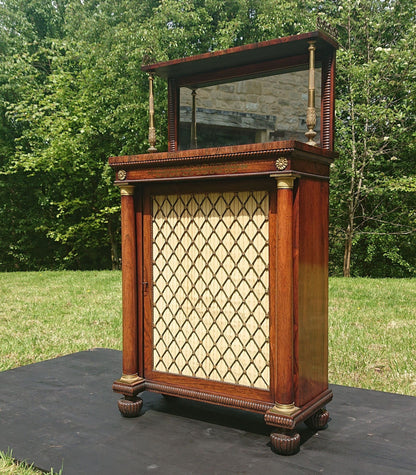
(210, 286)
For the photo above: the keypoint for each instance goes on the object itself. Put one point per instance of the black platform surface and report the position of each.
(62, 413)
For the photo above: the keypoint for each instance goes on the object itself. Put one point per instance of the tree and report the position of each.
(376, 138)
(78, 102)
(25, 26)
(73, 94)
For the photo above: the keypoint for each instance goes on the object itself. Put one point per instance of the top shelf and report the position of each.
(241, 56)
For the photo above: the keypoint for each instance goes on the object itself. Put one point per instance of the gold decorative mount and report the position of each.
(121, 174)
(127, 190)
(311, 111)
(284, 409)
(285, 181)
(281, 163)
(130, 379)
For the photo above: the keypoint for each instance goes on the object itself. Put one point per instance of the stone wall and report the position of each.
(274, 106)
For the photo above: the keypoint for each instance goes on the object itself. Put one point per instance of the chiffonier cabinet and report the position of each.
(225, 235)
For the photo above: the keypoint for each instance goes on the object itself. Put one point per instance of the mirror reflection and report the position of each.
(264, 109)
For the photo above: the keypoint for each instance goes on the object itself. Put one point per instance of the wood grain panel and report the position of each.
(138, 199)
(129, 282)
(312, 290)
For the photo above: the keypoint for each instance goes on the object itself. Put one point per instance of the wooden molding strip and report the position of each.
(254, 406)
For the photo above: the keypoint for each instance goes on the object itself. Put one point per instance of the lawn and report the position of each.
(372, 324)
(372, 329)
(48, 314)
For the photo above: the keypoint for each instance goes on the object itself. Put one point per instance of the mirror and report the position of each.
(264, 109)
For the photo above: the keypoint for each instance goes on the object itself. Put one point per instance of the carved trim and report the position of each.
(209, 397)
(287, 422)
(167, 160)
(128, 389)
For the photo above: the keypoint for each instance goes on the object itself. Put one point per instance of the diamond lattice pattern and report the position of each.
(210, 286)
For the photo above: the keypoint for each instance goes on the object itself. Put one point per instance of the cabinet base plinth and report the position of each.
(284, 439)
(129, 389)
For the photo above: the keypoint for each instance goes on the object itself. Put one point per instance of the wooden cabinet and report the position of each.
(225, 248)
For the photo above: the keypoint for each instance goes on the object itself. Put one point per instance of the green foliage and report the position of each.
(73, 94)
(373, 196)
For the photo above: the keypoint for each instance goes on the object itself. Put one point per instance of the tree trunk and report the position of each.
(347, 253)
(115, 257)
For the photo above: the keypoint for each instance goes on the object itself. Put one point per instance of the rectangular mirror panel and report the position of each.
(259, 110)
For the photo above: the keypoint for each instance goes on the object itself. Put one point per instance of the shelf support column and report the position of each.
(193, 120)
(311, 111)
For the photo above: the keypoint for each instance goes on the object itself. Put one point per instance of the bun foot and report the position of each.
(130, 406)
(319, 420)
(285, 442)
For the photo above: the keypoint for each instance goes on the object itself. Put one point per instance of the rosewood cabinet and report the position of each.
(225, 236)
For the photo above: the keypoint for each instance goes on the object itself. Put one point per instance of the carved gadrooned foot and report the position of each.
(130, 406)
(319, 420)
(285, 442)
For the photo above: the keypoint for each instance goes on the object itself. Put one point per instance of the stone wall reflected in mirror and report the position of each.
(250, 111)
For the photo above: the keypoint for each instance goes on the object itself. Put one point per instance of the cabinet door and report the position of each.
(207, 308)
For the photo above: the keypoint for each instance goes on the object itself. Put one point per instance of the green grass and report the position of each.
(372, 324)
(48, 314)
(9, 466)
(372, 328)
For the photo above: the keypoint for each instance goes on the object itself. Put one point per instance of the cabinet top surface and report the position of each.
(233, 151)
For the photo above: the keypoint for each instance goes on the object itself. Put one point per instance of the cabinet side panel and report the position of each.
(312, 291)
